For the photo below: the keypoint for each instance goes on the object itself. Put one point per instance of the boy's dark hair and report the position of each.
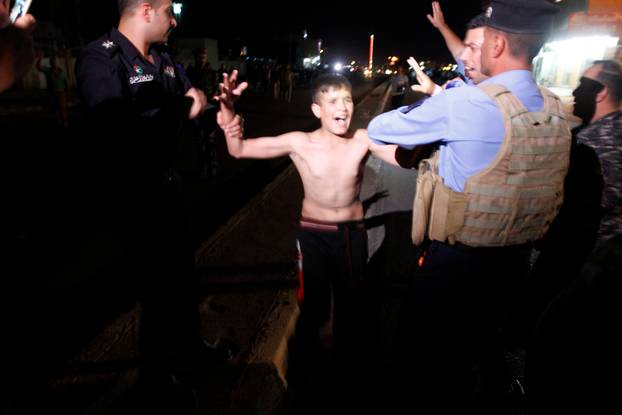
(477, 22)
(324, 82)
(610, 75)
(127, 5)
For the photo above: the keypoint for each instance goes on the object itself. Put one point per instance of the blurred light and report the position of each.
(388, 72)
(338, 67)
(177, 8)
(353, 63)
(583, 47)
(304, 34)
(321, 50)
(371, 53)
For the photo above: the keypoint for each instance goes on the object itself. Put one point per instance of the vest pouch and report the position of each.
(421, 206)
(447, 214)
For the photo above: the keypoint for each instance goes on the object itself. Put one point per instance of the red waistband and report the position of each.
(314, 224)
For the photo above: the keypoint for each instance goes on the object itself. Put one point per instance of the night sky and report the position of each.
(400, 28)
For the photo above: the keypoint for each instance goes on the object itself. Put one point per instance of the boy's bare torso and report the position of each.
(331, 169)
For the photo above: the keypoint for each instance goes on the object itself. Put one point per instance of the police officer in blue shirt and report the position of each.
(136, 101)
(460, 293)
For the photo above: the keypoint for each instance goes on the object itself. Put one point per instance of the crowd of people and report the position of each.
(501, 175)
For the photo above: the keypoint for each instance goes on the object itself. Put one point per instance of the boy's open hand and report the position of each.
(228, 92)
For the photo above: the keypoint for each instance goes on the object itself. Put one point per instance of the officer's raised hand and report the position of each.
(437, 18)
(199, 102)
(229, 91)
(426, 85)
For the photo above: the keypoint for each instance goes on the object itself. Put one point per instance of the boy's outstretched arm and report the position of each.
(257, 148)
(394, 154)
(228, 92)
(383, 152)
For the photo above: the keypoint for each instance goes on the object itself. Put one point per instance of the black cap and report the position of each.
(521, 16)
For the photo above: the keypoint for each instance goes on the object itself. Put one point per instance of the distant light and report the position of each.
(388, 72)
(177, 8)
(338, 67)
(353, 63)
(321, 50)
(305, 35)
(371, 53)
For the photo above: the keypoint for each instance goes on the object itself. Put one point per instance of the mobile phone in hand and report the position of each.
(20, 8)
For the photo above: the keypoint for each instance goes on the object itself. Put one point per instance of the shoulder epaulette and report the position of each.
(108, 47)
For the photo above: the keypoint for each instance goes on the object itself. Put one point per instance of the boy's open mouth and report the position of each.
(341, 120)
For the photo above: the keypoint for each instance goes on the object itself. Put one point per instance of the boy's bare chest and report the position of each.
(342, 162)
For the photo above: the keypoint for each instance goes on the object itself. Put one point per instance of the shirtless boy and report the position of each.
(331, 236)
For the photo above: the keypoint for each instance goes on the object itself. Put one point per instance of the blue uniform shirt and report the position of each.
(466, 123)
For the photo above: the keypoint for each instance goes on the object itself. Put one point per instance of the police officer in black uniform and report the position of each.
(136, 102)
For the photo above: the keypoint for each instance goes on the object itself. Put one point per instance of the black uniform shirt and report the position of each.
(111, 68)
(135, 108)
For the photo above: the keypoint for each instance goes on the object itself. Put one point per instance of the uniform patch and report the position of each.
(140, 79)
(170, 71)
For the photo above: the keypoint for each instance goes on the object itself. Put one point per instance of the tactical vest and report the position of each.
(513, 200)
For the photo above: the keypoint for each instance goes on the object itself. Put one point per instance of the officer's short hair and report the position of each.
(523, 45)
(126, 6)
(477, 22)
(325, 82)
(610, 75)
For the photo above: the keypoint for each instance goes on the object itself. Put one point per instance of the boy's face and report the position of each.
(335, 110)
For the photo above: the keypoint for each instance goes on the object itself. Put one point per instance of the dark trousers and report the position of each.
(457, 302)
(329, 344)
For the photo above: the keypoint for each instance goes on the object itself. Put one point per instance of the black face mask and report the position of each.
(585, 98)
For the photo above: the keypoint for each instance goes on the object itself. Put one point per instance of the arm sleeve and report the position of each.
(98, 80)
(424, 124)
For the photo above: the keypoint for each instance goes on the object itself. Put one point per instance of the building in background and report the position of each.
(592, 30)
